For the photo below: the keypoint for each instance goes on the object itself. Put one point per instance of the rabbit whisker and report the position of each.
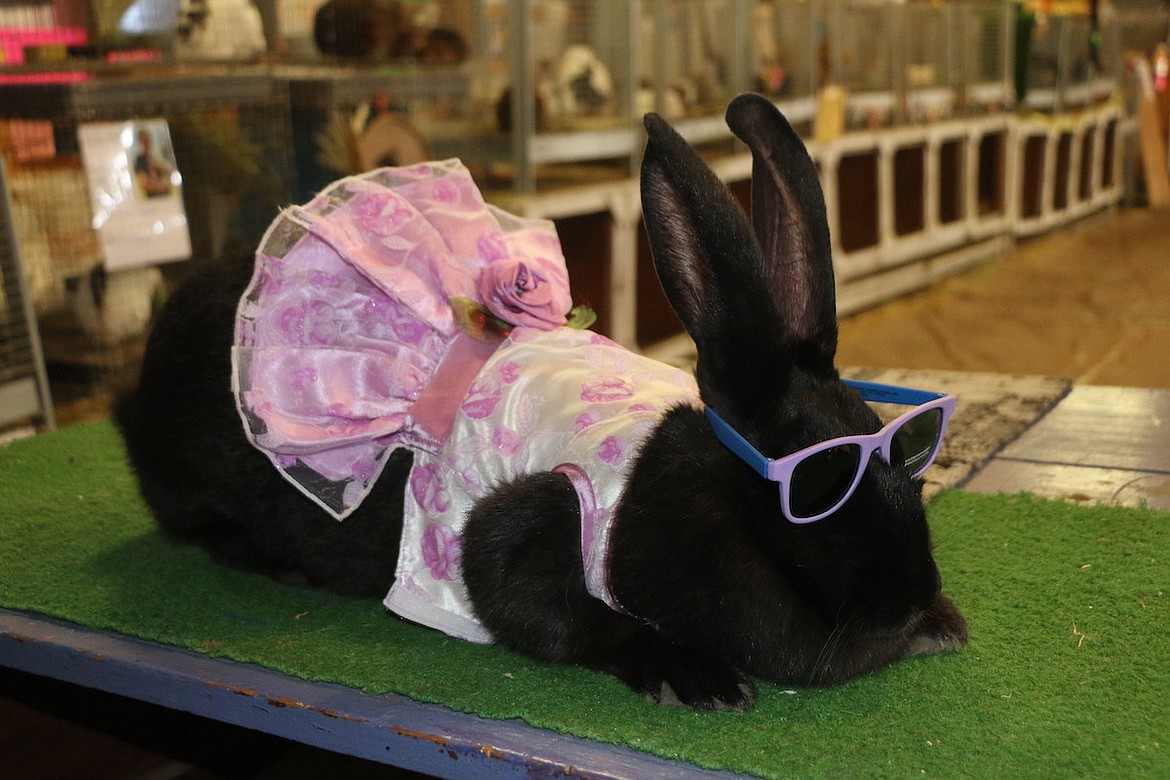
(824, 662)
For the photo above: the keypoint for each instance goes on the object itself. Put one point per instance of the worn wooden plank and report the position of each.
(1074, 483)
(993, 409)
(1107, 445)
(1108, 427)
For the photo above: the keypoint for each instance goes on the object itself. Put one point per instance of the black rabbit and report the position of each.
(711, 582)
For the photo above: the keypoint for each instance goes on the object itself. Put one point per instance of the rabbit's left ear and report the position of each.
(788, 214)
(713, 273)
(700, 240)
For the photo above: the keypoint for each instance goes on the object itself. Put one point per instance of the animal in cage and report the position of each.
(347, 416)
(383, 30)
(219, 30)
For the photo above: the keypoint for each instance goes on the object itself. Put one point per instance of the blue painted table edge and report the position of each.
(387, 729)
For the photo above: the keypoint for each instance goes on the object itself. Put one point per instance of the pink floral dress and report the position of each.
(348, 345)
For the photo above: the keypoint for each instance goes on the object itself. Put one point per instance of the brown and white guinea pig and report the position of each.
(718, 588)
(381, 31)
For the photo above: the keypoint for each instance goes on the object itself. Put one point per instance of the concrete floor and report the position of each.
(1090, 303)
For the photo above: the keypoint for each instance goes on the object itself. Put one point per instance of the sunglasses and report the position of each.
(817, 480)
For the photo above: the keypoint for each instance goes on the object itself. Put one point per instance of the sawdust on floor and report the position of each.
(1090, 303)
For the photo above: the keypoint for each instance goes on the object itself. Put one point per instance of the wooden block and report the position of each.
(1153, 153)
(1088, 484)
(1106, 427)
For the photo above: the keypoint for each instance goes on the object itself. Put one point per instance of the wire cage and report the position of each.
(261, 103)
(787, 63)
(371, 84)
(919, 62)
(1133, 30)
(860, 36)
(543, 85)
(692, 54)
(983, 37)
(557, 83)
(926, 67)
(1060, 64)
(24, 389)
(226, 134)
(347, 120)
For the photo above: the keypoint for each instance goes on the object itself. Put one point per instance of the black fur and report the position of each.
(206, 484)
(723, 585)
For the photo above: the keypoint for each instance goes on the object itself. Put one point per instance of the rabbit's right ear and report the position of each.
(788, 213)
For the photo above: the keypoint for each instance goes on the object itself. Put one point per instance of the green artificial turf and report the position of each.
(1067, 672)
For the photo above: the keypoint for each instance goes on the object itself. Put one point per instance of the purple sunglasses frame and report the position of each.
(780, 470)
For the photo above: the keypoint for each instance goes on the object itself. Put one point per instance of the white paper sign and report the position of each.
(136, 192)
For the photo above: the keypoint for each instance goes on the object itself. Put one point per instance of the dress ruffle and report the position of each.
(348, 318)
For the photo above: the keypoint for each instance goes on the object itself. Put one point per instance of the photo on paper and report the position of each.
(155, 172)
(136, 191)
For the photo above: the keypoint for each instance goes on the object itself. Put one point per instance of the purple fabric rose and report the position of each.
(527, 293)
(442, 549)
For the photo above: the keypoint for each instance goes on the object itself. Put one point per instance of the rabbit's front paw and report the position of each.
(669, 674)
(940, 630)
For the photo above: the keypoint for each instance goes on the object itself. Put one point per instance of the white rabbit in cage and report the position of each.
(112, 306)
(580, 84)
(219, 30)
(205, 29)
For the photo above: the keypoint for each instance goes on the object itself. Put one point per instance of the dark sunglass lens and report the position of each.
(914, 442)
(820, 480)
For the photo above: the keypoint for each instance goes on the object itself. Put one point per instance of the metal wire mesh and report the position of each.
(23, 391)
(231, 142)
(530, 93)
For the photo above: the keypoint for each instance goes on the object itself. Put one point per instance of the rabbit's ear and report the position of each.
(698, 235)
(711, 269)
(788, 213)
(747, 312)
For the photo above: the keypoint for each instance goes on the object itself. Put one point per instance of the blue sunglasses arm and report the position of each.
(891, 394)
(732, 440)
